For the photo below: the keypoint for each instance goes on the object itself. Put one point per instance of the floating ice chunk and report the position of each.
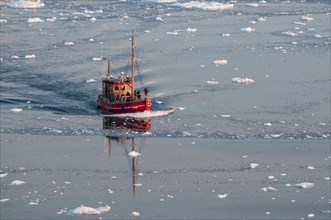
(69, 43)
(33, 203)
(84, 210)
(16, 110)
(271, 177)
(97, 58)
(158, 18)
(220, 62)
(172, 33)
(310, 168)
(3, 21)
(15, 57)
(110, 191)
(212, 82)
(306, 18)
(226, 35)
(254, 5)
(310, 215)
(262, 19)
(222, 196)
(134, 154)
(267, 124)
(135, 214)
(191, 30)
(253, 165)
(304, 185)
(205, 5)
(327, 178)
(35, 20)
(269, 189)
(3, 175)
(245, 81)
(4, 200)
(90, 80)
(30, 56)
(225, 116)
(181, 108)
(247, 29)
(252, 22)
(25, 4)
(17, 182)
(93, 19)
(52, 19)
(318, 36)
(290, 33)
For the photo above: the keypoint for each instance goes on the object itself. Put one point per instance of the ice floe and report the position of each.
(290, 33)
(172, 33)
(17, 182)
(3, 21)
(191, 30)
(212, 82)
(3, 175)
(304, 185)
(25, 4)
(226, 35)
(220, 62)
(222, 196)
(30, 56)
(135, 214)
(248, 29)
(252, 166)
(69, 43)
(16, 110)
(84, 210)
(204, 5)
(90, 80)
(311, 215)
(269, 189)
(4, 200)
(254, 5)
(245, 81)
(97, 58)
(35, 20)
(306, 18)
(134, 154)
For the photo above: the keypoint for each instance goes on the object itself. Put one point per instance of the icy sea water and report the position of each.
(216, 71)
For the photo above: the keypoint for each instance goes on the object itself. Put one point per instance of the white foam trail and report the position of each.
(146, 114)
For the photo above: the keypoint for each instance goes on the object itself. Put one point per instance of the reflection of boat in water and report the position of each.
(127, 123)
(118, 94)
(129, 146)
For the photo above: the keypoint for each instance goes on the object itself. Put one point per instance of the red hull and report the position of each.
(124, 107)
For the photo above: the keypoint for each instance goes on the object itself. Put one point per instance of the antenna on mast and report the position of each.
(132, 63)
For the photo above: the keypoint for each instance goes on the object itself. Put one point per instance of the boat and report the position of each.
(118, 93)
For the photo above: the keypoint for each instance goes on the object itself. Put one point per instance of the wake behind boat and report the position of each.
(118, 94)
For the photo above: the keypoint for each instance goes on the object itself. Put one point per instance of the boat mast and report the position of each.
(132, 63)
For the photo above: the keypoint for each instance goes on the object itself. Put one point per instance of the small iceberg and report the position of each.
(191, 30)
(212, 82)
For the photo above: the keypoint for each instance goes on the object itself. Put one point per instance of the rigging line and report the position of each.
(139, 74)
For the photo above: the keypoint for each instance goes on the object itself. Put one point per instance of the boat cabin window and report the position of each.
(123, 87)
(116, 88)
